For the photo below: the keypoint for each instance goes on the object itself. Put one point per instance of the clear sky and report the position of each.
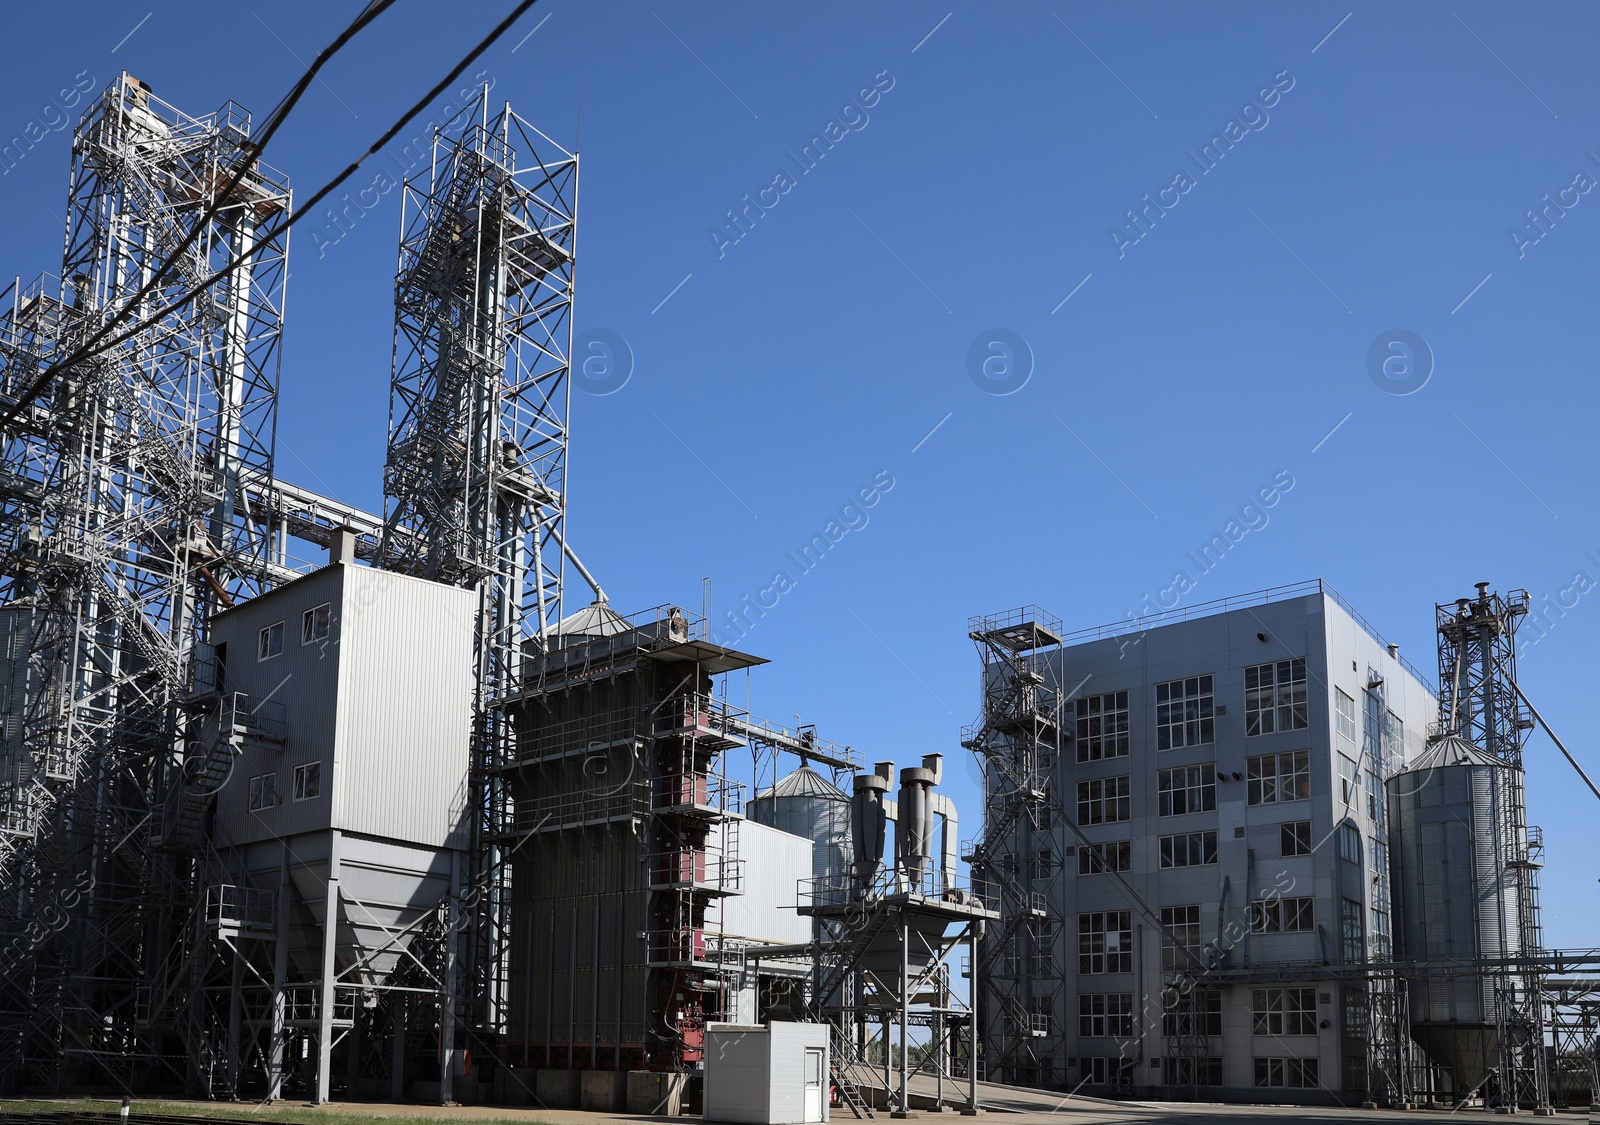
(1375, 193)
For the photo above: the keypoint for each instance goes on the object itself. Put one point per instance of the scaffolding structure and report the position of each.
(1479, 701)
(475, 481)
(1018, 856)
(126, 520)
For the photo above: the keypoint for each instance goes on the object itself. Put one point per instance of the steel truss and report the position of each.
(1018, 857)
(124, 523)
(1478, 700)
(475, 481)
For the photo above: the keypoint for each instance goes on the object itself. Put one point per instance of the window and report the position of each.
(308, 781)
(1278, 777)
(1349, 782)
(1199, 1012)
(1394, 743)
(1281, 916)
(314, 624)
(1382, 948)
(1296, 837)
(1096, 859)
(1183, 713)
(1352, 938)
(1378, 857)
(1105, 1072)
(1275, 697)
(1180, 936)
(1355, 1013)
(1284, 1011)
(263, 791)
(1039, 1011)
(1187, 789)
(1103, 800)
(1374, 798)
(1044, 947)
(1350, 843)
(1105, 942)
(1189, 849)
(1344, 714)
(1103, 1014)
(270, 642)
(1103, 726)
(1191, 1072)
(1299, 1074)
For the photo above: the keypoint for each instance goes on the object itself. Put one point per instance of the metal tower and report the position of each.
(124, 522)
(1478, 700)
(475, 482)
(1018, 857)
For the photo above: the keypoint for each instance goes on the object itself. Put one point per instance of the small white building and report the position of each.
(772, 1075)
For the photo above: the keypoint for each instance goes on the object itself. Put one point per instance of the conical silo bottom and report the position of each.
(1470, 1052)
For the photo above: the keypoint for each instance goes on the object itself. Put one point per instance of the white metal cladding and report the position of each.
(787, 1070)
(737, 1080)
(405, 719)
(775, 862)
(383, 702)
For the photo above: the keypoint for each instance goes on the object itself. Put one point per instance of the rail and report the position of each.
(933, 885)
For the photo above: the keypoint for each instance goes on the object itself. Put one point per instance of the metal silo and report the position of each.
(807, 804)
(1456, 899)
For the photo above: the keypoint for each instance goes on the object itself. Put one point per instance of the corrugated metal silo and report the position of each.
(1455, 897)
(807, 804)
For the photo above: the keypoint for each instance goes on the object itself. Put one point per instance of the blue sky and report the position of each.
(1172, 377)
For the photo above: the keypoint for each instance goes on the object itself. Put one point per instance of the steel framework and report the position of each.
(1018, 857)
(124, 523)
(1478, 700)
(475, 481)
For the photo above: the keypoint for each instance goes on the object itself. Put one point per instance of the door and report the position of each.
(813, 1100)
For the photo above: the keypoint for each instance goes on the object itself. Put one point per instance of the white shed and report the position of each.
(772, 1075)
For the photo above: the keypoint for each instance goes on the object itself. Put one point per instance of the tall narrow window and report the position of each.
(314, 624)
(1344, 714)
(270, 641)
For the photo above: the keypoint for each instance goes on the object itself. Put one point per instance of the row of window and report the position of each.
(1179, 850)
(1274, 700)
(1274, 1011)
(313, 628)
(1271, 779)
(1299, 1074)
(1105, 937)
(307, 785)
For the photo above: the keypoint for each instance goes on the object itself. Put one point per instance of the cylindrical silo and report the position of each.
(1455, 897)
(807, 804)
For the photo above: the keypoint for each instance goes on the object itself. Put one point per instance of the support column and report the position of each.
(972, 1109)
(397, 1064)
(330, 940)
(280, 976)
(235, 1018)
(447, 1006)
(905, 1014)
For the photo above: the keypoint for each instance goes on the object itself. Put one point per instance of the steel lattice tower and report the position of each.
(123, 525)
(476, 474)
(1479, 702)
(1018, 857)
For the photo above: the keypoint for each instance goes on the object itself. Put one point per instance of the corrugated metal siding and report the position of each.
(787, 1068)
(305, 680)
(405, 713)
(737, 1075)
(775, 863)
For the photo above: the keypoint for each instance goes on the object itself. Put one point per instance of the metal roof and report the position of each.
(806, 782)
(1452, 750)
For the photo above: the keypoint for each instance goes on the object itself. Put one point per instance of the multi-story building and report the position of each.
(1218, 828)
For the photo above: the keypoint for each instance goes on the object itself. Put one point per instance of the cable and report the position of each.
(92, 347)
(308, 208)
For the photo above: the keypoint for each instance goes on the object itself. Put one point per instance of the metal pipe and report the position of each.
(1534, 711)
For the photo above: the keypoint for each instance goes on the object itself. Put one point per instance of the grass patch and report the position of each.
(244, 1112)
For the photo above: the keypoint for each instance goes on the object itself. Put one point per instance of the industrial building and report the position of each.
(1247, 851)
(298, 799)
(302, 800)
